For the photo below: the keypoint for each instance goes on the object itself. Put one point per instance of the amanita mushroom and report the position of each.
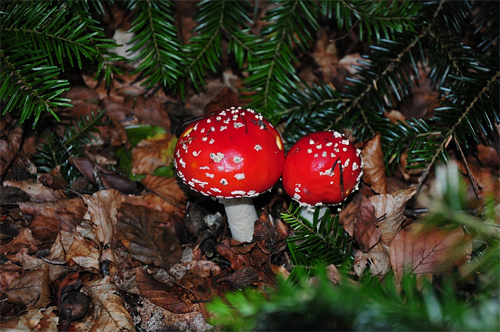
(233, 155)
(321, 169)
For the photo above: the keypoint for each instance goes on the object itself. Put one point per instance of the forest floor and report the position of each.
(108, 253)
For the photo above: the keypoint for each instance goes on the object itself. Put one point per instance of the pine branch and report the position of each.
(156, 42)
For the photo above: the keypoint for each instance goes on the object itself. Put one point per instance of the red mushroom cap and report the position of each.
(231, 153)
(322, 168)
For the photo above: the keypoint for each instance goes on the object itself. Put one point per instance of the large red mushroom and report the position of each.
(232, 155)
(321, 169)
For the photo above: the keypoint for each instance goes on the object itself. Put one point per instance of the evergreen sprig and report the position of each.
(37, 41)
(271, 71)
(320, 243)
(376, 20)
(156, 43)
(217, 20)
(56, 150)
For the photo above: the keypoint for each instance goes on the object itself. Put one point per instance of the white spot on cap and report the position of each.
(328, 172)
(196, 153)
(182, 162)
(345, 142)
(344, 149)
(238, 125)
(324, 154)
(311, 141)
(337, 134)
(201, 183)
(347, 162)
(239, 176)
(257, 147)
(211, 141)
(319, 146)
(329, 144)
(224, 182)
(210, 175)
(297, 197)
(217, 157)
(237, 159)
(223, 128)
(309, 150)
(238, 192)
(355, 166)
(204, 167)
(204, 139)
(217, 190)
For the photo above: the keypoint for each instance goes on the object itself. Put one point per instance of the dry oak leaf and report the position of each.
(152, 153)
(172, 297)
(101, 215)
(347, 215)
(33, 320)
(373, 165)
(389, 209)
(424, 251)
(37, 191)
(366, 227)
(109, 313)
(139, 233)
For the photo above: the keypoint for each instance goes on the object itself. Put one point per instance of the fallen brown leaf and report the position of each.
(23, 240)
(26, 289)
(423, 251)
(37, 191)
(366, 227)
(109, 313)
(101, 215)
(169, 189)
(33, 320)
(47, 218)
(149, 154)
(73, 248)
(373, 165)
(378, 260)
(347, 216)
(171, 297)
(139, 233)
(389, 209)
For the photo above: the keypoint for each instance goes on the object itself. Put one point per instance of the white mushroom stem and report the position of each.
(241, 217)
(307, 212)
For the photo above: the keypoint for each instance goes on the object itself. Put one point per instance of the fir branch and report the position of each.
(376, 20)
(320, 243)
(156, 42)
(487, 26)
(55, 151)
(217, 19)
(271, 73)
(28, 83)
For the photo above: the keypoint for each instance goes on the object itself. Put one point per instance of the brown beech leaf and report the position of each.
(73, 248)
(23, 240)
(379, 262)
(108, 178)
(423, 251)
(149, 154)
(389, 209)
(26, 289)
(109, 313)
(101, 215)
(366, 227)
(37, 191)
(47, 218)
(347, 215)
(168, 189)
(171, 297)
(373, 165)
(33, 320)
(139, 233)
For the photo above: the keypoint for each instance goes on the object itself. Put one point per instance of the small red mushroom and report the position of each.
(232, 155)
(322, 168)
